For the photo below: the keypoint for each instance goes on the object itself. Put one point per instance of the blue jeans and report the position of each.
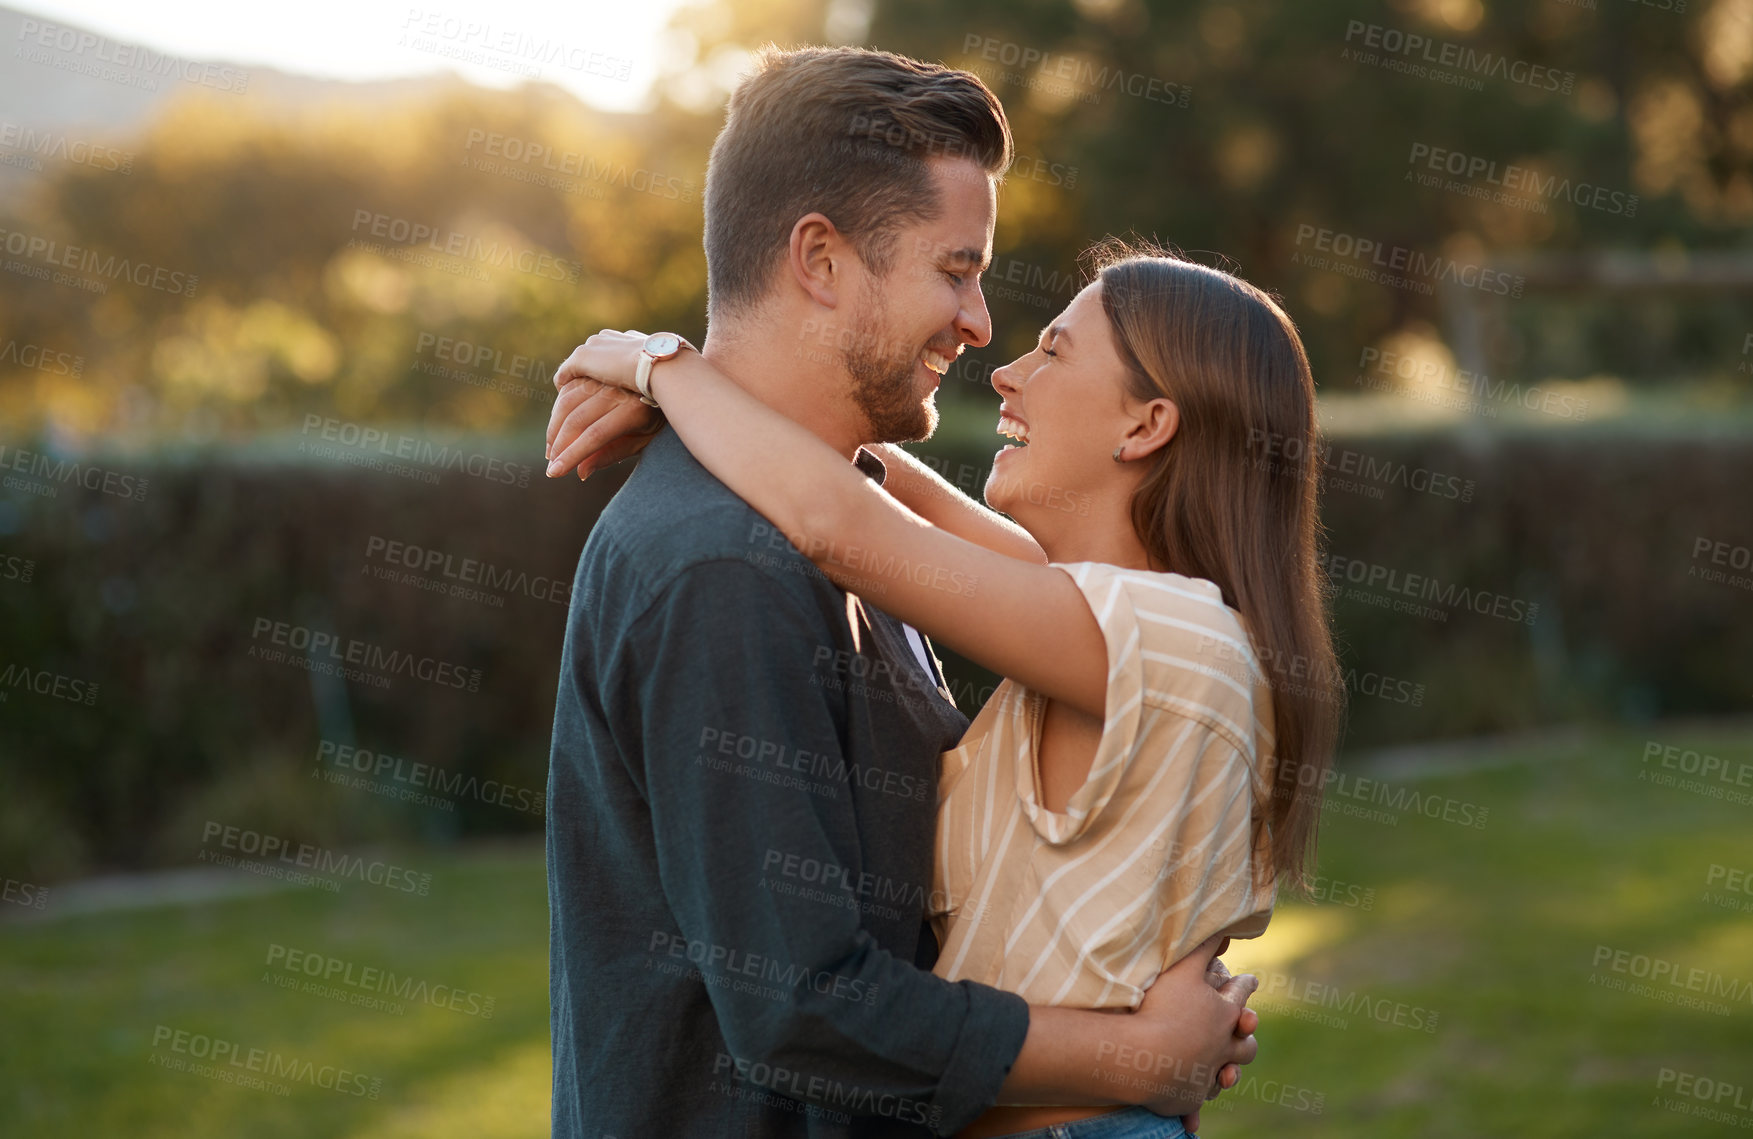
(1127, 1123)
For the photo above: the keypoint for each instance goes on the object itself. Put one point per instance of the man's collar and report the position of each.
(865, 459)
(872, 466)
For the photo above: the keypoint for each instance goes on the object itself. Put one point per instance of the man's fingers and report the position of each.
(584, 403)
(1227, 1077)
(1249, 1024)
(1190, 1123)
(571, 397)
(623, 448)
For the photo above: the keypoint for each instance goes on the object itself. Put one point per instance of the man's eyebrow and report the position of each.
(977, 257)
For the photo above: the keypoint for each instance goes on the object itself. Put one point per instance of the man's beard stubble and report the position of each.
(882, 386)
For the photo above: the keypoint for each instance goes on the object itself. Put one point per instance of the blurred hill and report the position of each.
(70, 106)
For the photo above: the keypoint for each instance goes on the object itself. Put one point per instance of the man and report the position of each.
(742, 788)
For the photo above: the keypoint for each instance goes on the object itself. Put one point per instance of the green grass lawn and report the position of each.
(1481, 941)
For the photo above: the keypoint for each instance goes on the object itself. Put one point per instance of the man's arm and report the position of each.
(796, 982)
(761, 860)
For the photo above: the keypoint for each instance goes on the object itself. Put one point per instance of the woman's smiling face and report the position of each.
(1066, 404)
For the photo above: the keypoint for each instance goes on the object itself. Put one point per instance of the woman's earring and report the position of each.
(1117, 451)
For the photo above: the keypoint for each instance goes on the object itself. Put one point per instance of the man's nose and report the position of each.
(974, 322)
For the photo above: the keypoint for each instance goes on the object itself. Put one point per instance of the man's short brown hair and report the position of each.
(845, 132)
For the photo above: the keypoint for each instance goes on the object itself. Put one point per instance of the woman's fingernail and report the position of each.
(553, 468)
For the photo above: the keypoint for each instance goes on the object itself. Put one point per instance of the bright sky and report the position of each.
(604, 51)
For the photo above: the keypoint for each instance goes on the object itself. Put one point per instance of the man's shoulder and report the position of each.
(672, 519)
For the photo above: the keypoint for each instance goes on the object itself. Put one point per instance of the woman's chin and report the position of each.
(997, 495)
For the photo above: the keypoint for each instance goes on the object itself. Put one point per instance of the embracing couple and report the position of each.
(793, 890)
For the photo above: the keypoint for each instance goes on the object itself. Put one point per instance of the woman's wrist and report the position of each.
(660, 382)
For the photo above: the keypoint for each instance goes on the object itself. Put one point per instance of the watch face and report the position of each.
(663, 344)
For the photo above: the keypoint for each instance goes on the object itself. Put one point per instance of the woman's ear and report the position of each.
(817, 258)
(1158, 420)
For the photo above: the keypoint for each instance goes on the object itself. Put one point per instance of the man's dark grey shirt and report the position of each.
(741, 805)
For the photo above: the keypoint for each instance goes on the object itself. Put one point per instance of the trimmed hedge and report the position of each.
(173, 604)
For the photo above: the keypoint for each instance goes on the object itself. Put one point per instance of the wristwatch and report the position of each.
(658, 346)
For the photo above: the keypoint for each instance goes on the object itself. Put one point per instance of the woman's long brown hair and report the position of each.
(1231, 498)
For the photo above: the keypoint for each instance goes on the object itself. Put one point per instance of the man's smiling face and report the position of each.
(910, 324)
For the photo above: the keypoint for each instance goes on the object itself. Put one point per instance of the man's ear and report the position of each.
(819, 259)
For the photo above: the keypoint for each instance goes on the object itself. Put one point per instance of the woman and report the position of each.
(1131, 788)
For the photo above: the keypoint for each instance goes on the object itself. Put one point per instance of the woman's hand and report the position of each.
(596, 419)
(609, 358)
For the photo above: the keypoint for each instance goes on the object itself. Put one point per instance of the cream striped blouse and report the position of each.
(1155, 852)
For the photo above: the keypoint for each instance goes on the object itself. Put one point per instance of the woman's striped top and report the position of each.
(1158, 849)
